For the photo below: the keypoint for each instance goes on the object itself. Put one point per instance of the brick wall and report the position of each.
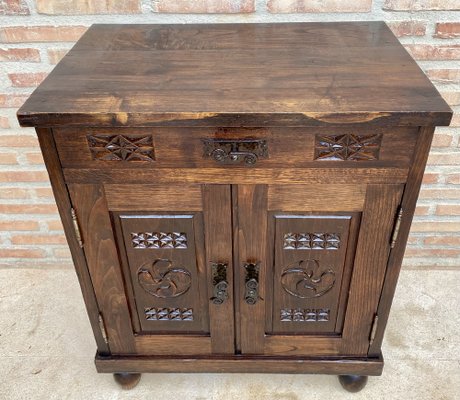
(35, 34)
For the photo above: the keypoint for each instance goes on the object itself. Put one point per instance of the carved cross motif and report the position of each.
(121, 147)
(348, 147)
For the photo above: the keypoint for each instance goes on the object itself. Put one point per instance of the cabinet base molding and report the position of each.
(229, 364)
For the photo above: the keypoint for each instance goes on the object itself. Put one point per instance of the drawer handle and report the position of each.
(251, 293)
(235, 151)
(219, 282)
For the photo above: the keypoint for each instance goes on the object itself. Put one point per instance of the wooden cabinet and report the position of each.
(234, 204)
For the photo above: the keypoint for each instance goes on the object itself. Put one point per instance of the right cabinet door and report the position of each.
(319, 278)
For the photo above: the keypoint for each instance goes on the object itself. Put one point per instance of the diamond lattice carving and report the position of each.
(311, 241)
(168, 314)
(304, 315)
(348, 147)
(159, 240)
(121, 148)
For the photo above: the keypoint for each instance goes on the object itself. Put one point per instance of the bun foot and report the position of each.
(127, 380)
(353, 383)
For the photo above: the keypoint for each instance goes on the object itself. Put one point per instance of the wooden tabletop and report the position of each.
(295, 74)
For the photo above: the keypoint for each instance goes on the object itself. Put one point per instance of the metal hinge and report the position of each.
(76, 227)
(394, 236)
(374, 329)
(102, 328)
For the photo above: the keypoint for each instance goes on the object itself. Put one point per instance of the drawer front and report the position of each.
(338, 147)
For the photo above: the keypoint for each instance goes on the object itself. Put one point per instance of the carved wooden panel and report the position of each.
(159, 240)
(310, 260)
(105, 147)
(168, 314)
(304, 314)
(348, 147)
(167, 277)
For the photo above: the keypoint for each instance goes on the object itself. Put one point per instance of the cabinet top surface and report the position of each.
(228, 74)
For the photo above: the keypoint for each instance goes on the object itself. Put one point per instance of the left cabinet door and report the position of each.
(160, 260)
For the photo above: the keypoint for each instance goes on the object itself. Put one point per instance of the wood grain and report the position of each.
(218, 240)
(236, 74)
(236, 176)
(370, 263)
(240, 364)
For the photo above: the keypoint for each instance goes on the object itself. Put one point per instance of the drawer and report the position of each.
(340, 147)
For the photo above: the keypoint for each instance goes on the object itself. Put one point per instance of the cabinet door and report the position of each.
(312, 262)
(160, 259)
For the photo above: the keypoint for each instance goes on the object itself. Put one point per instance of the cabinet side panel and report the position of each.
(61, 196)
(370, 264)
(103, 263)
(408, 204)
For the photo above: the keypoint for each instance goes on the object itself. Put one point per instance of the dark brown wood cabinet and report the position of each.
(237, 197)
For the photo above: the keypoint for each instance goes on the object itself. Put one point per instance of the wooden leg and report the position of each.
(353, 383)
(127, 380)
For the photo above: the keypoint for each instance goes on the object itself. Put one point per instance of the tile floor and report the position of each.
(47, 349)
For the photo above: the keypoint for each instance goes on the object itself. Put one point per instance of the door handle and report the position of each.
(219, 283)
(251, 285)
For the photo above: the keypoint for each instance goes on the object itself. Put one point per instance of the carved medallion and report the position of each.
(348, 147)
(311, 241)
(306, 279)
(121, 147)
(159, 240)
(161, 279)
(304, 314)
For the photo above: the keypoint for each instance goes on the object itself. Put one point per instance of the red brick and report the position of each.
(453, 179)
(408, 28)
(24, 34)
(38, 239)
(14, 193)
(204, 6)
(422, 210)
(55, 225)
(419, 5)
(442, 240)
(430, 178)
(438, 226)
(4, 122)
(18, 141)
(304, 6)
(448, 209)
(34, 158)
(28, 208)
(439, 193)
(12, 100)
(14, 7)
(21, 55)
(444, 75)
(8, 159)
(453, 98)
(22, 253)
(447, 30)
(23, 176)
(431, 252)
(431, 52)
(56, 55)
(19, 226)
(63, 252)
(442, 140)
(27, 79)
(44, 192)
(75, 7)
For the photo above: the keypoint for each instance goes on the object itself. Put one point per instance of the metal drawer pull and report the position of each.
(219, 282)
(251, 293)
(235, 151)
